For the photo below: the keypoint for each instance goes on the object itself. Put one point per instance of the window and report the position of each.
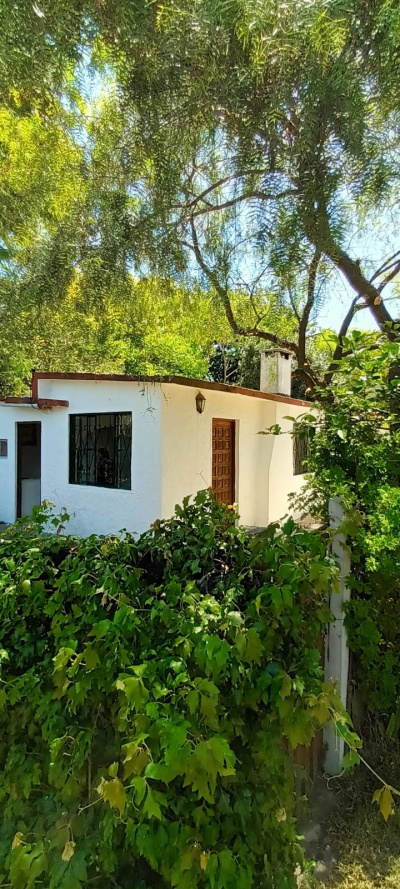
(100, 448)
(3, 447)
(301, 443)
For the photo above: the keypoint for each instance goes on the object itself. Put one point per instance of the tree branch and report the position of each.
(386, 265)
(317, 227)
(338, 353)
(320, 234)
(395, 271)
(224, 181)
(257, 195)
(305, 317)
(293, 304)
(223, 293)
(363, 287)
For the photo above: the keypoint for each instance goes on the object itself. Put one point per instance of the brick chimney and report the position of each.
(276, 371)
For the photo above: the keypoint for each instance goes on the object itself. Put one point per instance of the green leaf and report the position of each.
(140, 787)
(101, 628)
(240, 642)
(286, 687)
(135, 691)
(350, 759)
(192, 699)
(173, 734)
(298, 728)
(254, 648)
(91, 658)
(208, 710)
(384, 798)
(235, 618)
(151, 807)
(114, 793)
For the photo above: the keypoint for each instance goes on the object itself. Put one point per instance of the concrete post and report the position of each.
(337, 652)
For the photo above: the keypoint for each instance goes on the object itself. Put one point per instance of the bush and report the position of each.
(149, 691)
(355, 455)
(373, 613)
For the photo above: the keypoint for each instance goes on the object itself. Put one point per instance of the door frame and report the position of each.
(222, 421)
(19, 459)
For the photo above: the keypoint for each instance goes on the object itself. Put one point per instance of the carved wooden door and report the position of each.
(223, 461)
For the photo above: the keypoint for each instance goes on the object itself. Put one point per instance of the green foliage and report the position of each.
(355, 455)
(149, 691)
(138, 327)
(287, 122)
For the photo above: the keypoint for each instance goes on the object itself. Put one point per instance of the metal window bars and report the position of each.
(100, 450)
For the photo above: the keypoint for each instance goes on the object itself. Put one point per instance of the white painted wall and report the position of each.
(10, 415)
(104, 510)
(264, 464)
(282, 480)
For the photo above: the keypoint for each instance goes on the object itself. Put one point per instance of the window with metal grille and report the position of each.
(3, 447)
(301, 444)
(100, 449)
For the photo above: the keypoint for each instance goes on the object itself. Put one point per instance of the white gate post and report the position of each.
(337, 652)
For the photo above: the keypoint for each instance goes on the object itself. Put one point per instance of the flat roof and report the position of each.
(29, 401)
(178, 381)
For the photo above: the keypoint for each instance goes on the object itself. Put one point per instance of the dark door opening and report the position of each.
(223, 461)
(29, 438)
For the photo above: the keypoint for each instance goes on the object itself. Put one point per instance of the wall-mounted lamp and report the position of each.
(200, 402)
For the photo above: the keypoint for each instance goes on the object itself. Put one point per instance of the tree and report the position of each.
(287, 135)
(287, 116)
(68, 298)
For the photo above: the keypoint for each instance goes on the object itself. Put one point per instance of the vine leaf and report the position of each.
(192, 699)
(17, 841)
(68, 851)
(383, 796)
(91, 658)
(151, 807)
(204, 856)
(298, 728)
(114, 793)
(254, 648)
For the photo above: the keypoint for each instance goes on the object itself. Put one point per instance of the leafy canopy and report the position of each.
(245, 144)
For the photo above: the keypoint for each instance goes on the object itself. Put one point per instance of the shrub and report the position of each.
(355, 455)
(149, 691)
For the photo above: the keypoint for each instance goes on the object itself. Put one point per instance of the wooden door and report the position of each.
(223, 461)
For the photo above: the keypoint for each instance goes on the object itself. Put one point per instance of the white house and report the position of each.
(120, 451)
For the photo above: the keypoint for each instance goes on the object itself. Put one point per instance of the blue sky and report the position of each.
(371, 247)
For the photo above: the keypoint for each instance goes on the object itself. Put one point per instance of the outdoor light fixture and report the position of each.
(200, 402)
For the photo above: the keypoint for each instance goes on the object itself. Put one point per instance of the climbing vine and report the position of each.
(355, 455)
(151, 690)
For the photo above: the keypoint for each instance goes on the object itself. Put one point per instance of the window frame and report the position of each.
(87, 427)
(301, 445)
(3, 447)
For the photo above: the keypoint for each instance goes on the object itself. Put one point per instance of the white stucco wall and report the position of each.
(10, 415)
(282, 480)
(264, 464)
(94, 509)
